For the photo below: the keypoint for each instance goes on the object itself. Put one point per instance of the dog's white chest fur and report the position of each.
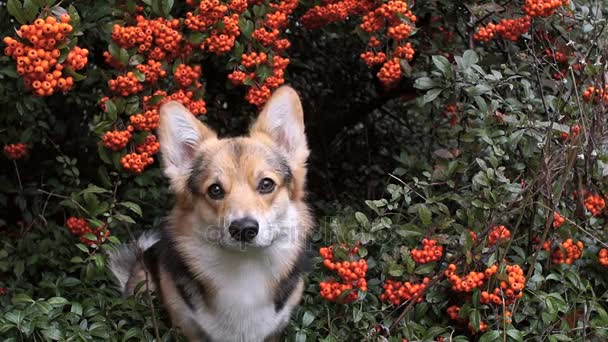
(243, 302)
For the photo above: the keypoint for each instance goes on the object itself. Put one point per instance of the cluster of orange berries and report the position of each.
(398, 18)
(558, 220)
(595, 94)
(38, 55)
(430, 252)
(151, 146)
(509, 290)
(573, 251)
(79, 227)
(152, 70)
(117, 140)
(186, 76)
(268, 36)
(334, 11)
(158, 38)
(595, 204)
(126, 85)
(390, 73)
(470, 282)
(543, 8)
(136, 162)
(602, 257)
(393, 15)
(352, 274)
(397, 292)
(15, 151)
(575, 129)
(510, 29)
(497, 234)
(451, 112)
(259, 94)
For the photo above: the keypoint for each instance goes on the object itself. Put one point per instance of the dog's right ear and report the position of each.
(180, 134)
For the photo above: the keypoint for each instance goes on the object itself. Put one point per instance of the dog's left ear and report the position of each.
(282, 119)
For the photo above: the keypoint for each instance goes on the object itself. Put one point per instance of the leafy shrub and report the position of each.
(489, 117)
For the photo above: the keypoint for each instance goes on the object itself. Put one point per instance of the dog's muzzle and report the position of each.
(244, 229)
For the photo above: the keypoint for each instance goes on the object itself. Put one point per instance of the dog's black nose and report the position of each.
(244, 230)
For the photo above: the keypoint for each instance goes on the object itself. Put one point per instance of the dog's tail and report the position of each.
(126, 260)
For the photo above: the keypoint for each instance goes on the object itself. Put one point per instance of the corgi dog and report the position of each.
(228, 263)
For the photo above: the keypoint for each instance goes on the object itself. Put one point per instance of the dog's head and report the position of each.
(236, 192)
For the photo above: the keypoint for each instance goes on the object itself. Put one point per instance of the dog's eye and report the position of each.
(215, 191)
(266, 186)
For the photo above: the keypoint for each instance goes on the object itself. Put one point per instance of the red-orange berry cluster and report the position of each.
(509, 290)
(451, 112)
(136, 162)
(573, 251)
(373, 58)
(595, 204)
(145, 121)
(392, 16)
(558, 220)
(15, 151)
(158, 38)
(151, 146)
(543, 8)
(334, 11)
(117, 140)
(352, 273)
(186, 76)
(38, 51)
(430, 252)
(80, 227)
(259, 94)
(498, 234)
(485, 33)
(390, 73)
(512, 29)
(575, 129)
(397, 292)
(454, 313)
(602, 257)
(125, 85)
(152, 70)
(467, 283)
(593, 94)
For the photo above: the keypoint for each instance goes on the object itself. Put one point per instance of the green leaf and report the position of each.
(425, 215)
(16, 10)
(167, 5)
(469, 58)
(308, 318)
(30, 10)
(444, 65)
(94, 189)
(425, 268)
(124, 218)
(490, 336)
(395, 269)
(425, 83)
(133, 206)
(22, 298)
(475, 319)
(431, 95)
(362, 219)
(52, 333)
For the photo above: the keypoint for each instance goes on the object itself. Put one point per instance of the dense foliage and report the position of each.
(457, 172)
